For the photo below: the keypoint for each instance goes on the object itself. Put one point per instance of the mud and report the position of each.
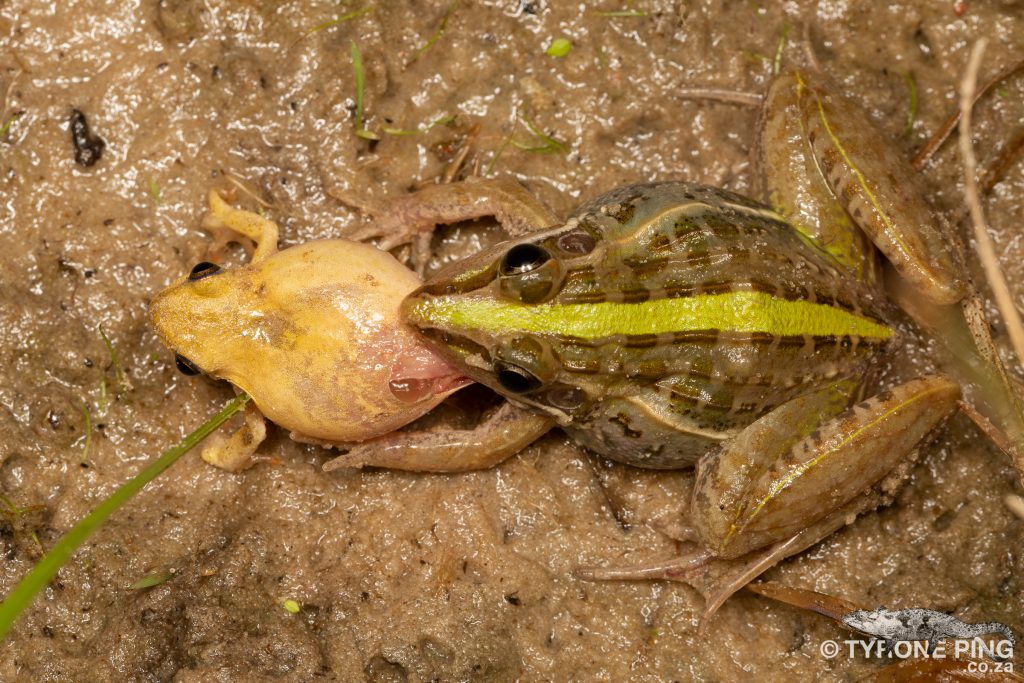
(399, 576)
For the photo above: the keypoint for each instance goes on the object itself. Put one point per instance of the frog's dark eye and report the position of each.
(203, 269)
(528, 273)
(523, 258)
(516, 380)
(185, 366)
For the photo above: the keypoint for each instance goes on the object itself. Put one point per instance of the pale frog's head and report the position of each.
(313, 334)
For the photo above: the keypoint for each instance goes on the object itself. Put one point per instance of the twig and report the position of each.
(932, 146)
(998, 168)
(986, 249)
(456, 165)
(743, 99)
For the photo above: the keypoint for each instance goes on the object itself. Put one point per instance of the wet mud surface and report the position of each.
(408, 576)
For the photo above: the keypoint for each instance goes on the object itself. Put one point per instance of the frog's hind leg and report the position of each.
(505, 432)
(846, 163)
(714, 578)
(795, 188)
(840, 170)
(224, 220)
(796, 475)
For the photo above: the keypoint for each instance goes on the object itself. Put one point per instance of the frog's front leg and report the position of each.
(508, 430)
(413, 217)
(796, 475)
(235, 453)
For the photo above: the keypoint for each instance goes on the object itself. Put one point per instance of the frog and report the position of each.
(672, 325)
(665, 325)
(311, 333)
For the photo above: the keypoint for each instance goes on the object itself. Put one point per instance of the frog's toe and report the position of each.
(714, 578)
(372, 230)
(680, 568)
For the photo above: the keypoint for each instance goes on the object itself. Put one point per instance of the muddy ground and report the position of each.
(405, 576)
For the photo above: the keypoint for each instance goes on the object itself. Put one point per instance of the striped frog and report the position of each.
(663, 325)
(667, 325)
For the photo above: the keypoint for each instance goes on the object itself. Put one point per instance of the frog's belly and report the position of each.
(627, 434)
(672, 423)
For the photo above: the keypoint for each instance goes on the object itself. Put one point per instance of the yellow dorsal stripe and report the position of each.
(731, 312)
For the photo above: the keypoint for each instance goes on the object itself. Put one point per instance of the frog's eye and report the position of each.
(185, 366)
(515, 379)
(523, 258)
(528, 273)
(203, 269)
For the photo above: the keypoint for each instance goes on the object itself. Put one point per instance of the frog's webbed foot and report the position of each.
(235, 453)
(412, 218)
(227, 223)
(505, 432)
(714, 578)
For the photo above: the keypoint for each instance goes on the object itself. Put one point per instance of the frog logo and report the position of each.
(892, 626)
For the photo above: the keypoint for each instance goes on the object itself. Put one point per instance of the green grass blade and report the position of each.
(343, 18)
(780, 48)
(360, 78)
(437, 34)
(7, 126)
(47, 568)
(151, 580)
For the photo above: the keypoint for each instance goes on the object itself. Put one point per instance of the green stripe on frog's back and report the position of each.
(733, 312)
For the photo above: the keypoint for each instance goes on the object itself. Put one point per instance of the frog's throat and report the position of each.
(741, 312)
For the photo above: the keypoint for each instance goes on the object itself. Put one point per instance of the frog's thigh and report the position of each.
(645, 430)
(796, 189)
(737, 508)
(235, 453)
(223, 216)
(504, 433)
(880, 190)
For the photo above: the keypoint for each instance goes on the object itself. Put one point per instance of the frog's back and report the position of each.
(657, 318)
(715, 301)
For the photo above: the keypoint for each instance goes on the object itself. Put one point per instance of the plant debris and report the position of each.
(88, 146)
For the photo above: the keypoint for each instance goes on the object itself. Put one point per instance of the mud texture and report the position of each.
(420, 577)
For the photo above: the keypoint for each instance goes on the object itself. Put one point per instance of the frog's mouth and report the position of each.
(422, 375)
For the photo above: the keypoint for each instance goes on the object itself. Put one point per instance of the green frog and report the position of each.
(670, 325)
(667, 325)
